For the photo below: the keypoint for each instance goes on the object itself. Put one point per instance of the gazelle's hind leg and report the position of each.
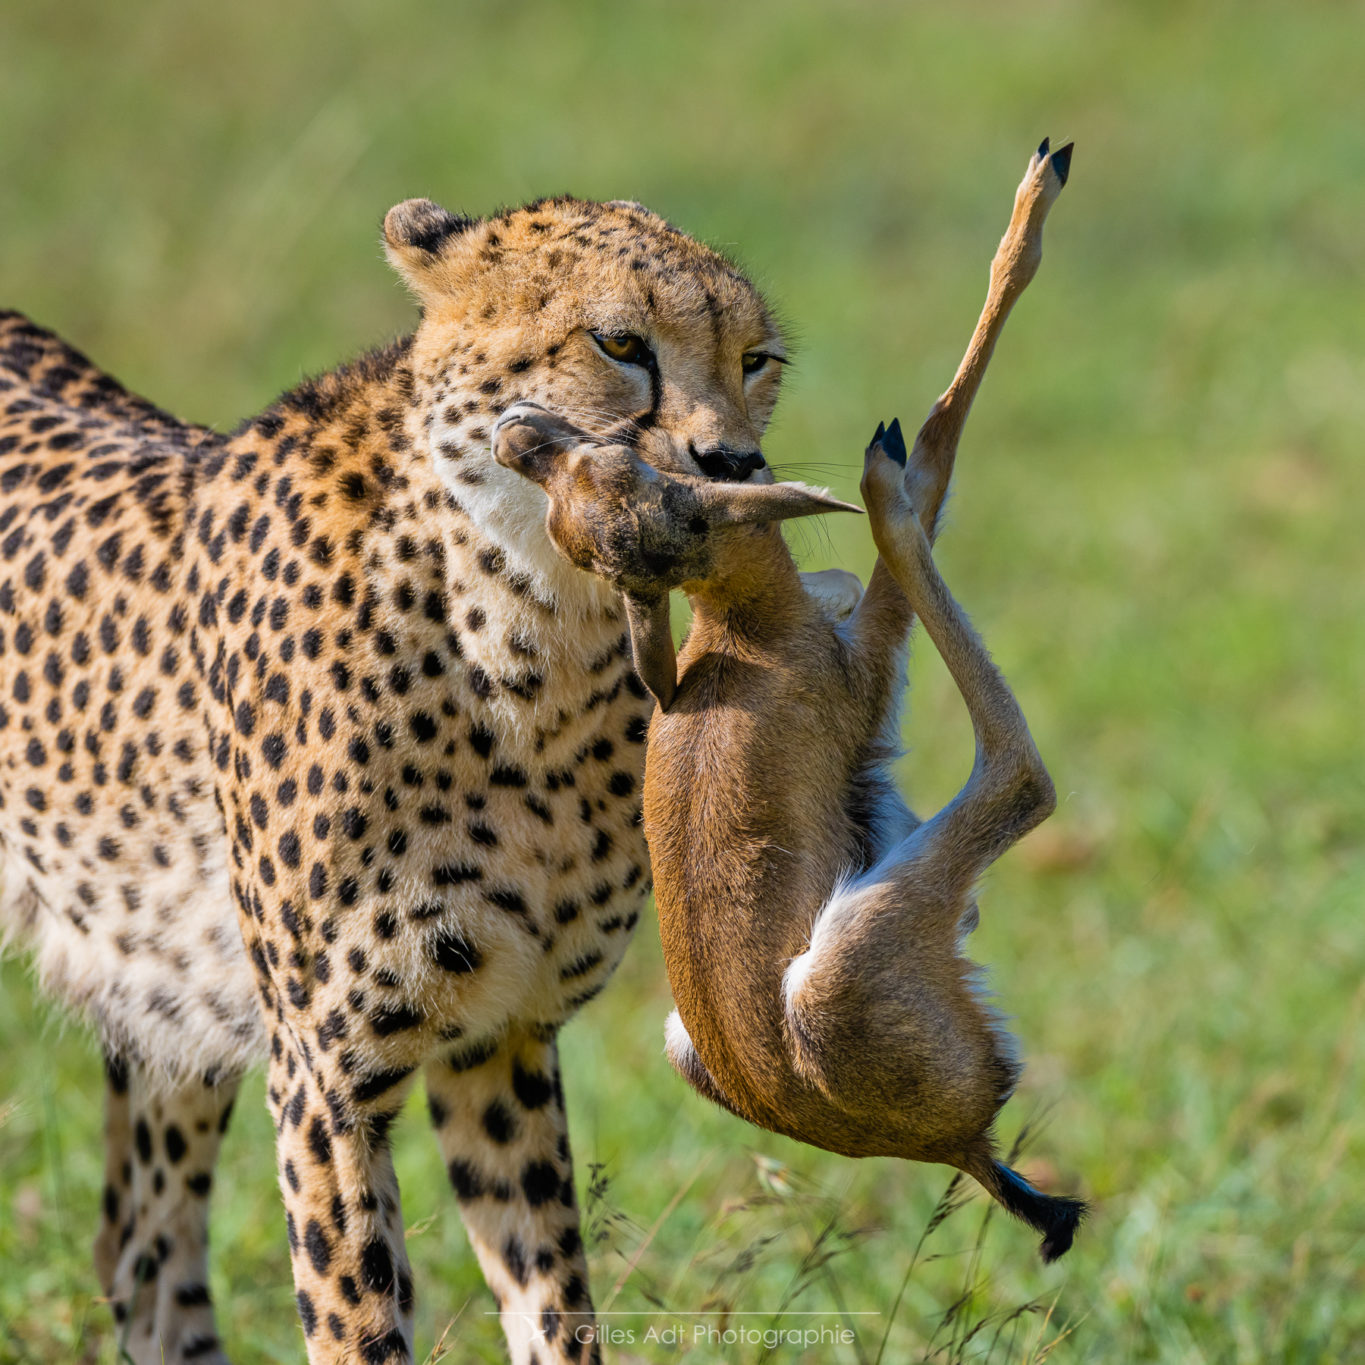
(161, 1143)
(1009, 790)
(885, 1016)
(1013, 266)
(884, 614)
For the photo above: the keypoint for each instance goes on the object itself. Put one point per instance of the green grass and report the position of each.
(1156, 526)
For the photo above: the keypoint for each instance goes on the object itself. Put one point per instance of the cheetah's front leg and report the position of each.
(500, 1119)
(354, 1288)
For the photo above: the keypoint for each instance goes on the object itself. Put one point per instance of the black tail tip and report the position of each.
(1055, 1216)
(1057, 1242)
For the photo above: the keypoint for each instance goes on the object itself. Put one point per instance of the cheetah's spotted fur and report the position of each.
(311, 747)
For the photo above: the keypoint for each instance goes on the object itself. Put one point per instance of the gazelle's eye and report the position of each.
(753, 361)
(624, 347)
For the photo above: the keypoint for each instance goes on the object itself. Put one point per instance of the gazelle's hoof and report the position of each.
(893, 442)
(1060, 160)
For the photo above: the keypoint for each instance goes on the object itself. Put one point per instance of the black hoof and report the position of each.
(1061, 161)
(894, 443)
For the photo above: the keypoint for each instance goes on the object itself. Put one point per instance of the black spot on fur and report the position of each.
(531, 1088)
(499, 1123)
(376, 1266)
(319, 1248)
(467, 1181)
(175, 1144)
(390, 1346)
(452, 952)
(539, 1183)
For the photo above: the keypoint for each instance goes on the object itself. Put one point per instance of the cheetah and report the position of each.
(314, 750)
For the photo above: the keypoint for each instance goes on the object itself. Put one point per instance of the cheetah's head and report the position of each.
(600, 312)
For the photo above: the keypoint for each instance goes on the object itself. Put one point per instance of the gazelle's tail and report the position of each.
(1055, 1216)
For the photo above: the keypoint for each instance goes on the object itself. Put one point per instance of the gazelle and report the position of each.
(811, 924)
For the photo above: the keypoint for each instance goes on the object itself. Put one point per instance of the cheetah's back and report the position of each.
(111, 858)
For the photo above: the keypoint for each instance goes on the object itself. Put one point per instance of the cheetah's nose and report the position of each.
(725, 464)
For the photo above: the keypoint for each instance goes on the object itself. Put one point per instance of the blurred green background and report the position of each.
(1156, 527)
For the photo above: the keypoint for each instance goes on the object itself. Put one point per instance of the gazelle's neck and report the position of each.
(749, 596)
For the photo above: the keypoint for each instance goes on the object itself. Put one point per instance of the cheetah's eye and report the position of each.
(625, 347)
(753, 361)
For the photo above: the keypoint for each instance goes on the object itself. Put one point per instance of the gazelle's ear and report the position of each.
(746, 504)
(417, 235)
(651, 638)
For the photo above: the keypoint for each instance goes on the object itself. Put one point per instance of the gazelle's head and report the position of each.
(643, 529)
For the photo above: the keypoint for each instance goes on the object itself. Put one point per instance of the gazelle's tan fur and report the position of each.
(811, 923)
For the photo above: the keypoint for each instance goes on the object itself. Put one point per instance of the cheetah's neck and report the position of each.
(363, 456)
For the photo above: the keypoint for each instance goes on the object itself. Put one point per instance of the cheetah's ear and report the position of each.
(416, 235)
